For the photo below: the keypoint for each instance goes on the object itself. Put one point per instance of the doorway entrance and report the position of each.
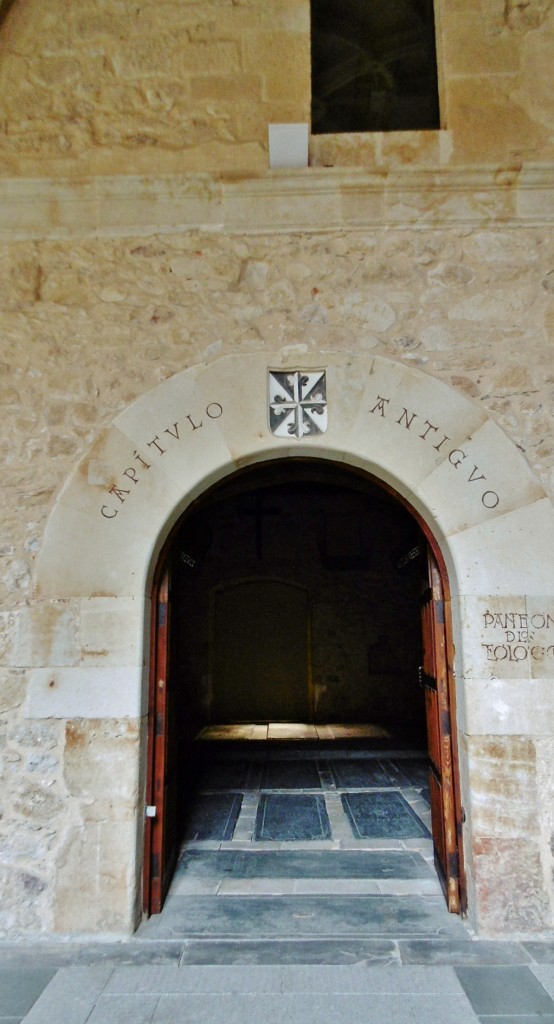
(300, 595)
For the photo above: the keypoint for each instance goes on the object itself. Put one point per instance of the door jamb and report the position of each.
(155, 654)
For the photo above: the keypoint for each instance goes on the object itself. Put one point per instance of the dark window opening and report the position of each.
(374, 66)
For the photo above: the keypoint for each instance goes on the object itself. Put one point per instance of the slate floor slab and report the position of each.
(285, 816)
(334, 917)
(382, 814)
(352, 774)
(339, 864)
(291, 775)
(213, 816)
(504, 990)
(350, 951)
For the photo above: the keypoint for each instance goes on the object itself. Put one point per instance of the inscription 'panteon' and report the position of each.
(297, 403)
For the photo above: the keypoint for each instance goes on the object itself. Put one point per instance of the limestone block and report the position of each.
(481, 478)
(508, 707)
(510, 894)
(13, 687)
(480, 560)
(82, 692)
(100, 767)
(111, 631)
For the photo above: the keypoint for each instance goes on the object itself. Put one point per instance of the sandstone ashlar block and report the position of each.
(95, 876)
(45, 633)
(510, 891)
(101, 767)
(503, 797)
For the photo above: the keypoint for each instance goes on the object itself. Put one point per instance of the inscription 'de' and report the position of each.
(157, 447)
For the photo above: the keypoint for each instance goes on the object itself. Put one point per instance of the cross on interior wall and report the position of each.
(256, 509)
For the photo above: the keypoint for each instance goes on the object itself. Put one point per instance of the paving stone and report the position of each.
(461, 952)
(302, 864)
(527, 1018)
(207, 1009)
(545, 974)
(542, 952)
(303, 916)
(124, 1009)
(504, 990)
(365, 952)
(198, 979)
(382, 980)
(21, 987)
(70, 996)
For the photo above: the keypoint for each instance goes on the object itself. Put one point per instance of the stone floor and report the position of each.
(347, 922)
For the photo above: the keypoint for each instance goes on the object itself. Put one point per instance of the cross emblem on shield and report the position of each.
(297, 403)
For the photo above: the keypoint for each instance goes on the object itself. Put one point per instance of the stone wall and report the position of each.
(166, 87)
(106, 290)
(90, 325)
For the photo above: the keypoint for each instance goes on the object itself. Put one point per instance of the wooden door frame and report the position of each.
(159, 666)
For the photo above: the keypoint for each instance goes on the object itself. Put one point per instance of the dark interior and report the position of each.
(295, 598)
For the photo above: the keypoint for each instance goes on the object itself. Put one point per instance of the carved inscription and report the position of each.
(513, 636)
(433, 434)
(141, 461)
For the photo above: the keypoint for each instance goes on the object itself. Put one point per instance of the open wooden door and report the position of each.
(435, 675)
(162, 818)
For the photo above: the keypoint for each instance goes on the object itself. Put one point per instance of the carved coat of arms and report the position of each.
(297, 402)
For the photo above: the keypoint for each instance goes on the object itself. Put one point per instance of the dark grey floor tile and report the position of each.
(350, 773)
(302, 864)
(287, 817)
(20, 987)
(415, 771)
(213, 816)
(504, 990)
(291, 775)
(382, 815)
(223, 775)
(131, 953)
(357, 952)
(542, 952)
(461, 952)
(527, 1018)
(332, 917)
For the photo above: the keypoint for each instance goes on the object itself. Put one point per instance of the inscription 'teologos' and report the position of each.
(435, 436)
(153, 450)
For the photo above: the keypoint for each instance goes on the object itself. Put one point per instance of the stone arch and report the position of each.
(490, 516)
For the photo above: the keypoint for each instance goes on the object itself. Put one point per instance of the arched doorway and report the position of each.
(300, 591)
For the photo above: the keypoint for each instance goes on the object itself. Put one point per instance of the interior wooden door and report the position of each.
(442, 775)
(261, 652)
(162, 822)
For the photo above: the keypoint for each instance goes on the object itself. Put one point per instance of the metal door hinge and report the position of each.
(150, 811)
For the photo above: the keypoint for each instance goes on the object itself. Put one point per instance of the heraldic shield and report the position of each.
(297, 403)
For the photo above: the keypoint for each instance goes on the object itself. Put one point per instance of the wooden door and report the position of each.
(261, 652)
(435, 679)
(162, 821)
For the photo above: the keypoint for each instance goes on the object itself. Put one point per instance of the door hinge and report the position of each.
(150, 811)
